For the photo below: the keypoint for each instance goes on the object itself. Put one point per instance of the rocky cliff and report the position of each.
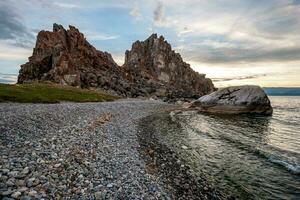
(65, 57)
(153, 62)
(151, 67)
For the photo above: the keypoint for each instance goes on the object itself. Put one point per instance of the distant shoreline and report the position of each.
(282, 91)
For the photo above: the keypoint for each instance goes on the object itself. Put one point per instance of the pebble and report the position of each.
(25, 171)
(20, 183)
(184, 147)
(58, 150)
(57, 165)
(30, 182)
(5, 171)
(98, 195)
(32, 193)
(22, 189)
(6, 193)
(13, 173)
(10, 182)
(16, 194)
(25, 198)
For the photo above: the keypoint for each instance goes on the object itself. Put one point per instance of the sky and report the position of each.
(234, 42)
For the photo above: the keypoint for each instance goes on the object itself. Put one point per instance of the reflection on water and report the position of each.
(253, 157)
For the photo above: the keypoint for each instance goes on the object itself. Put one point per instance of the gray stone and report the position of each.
(6, 193)
(13, 173)
(25, 198)
(30, 182)
(32, 193)
(16, 194)
(22, 189)
(25, 171)
(235, 100)
(10, 182)
(98, 195)
(5, 171)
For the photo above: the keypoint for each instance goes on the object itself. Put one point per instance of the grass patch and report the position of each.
(49, 93)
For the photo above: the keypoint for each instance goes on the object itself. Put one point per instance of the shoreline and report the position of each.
(89, 151)
(166, 165)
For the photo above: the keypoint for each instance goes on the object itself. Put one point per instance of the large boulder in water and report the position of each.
(235, 100)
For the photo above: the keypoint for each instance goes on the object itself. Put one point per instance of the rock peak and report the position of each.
(154, 59)
(57, 27)
(152, 36)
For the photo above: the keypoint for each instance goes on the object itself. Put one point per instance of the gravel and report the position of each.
(75, 151)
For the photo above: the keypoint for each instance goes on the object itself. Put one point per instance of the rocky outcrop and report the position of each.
(152, 64)
(151, 67)
(235, 100)
(65, 57)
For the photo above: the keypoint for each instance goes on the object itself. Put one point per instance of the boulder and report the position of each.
(235, 100)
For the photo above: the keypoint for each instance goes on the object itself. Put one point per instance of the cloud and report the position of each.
(11, 52)
(238, 78)
(234, 54)
(159, 18)
(234, 31)
(159, 15)
(90, 35)
(135, 12)
(8, 78)
(11, 28)
(66, 5)
(185, 31)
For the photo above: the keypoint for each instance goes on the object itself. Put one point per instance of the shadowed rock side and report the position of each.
(151, 68)
(235, 100)
(153, 65)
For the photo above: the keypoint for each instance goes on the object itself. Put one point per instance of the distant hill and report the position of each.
(282, 91)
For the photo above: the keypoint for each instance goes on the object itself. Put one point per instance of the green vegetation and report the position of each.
(49, 93)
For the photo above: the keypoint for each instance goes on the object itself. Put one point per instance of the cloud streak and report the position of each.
(238, 78)
(66, 5)
(8, 78)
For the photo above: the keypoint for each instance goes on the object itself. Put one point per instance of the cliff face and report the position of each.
(151, 67)
(65, 57)
(154, 62)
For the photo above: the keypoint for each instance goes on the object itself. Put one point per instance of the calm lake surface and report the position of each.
(250, 157)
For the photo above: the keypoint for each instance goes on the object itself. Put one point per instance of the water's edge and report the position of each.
(168, 166)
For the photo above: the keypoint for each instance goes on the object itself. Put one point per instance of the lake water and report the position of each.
(250, 157)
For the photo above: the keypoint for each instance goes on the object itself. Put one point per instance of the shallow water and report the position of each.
(251, 157)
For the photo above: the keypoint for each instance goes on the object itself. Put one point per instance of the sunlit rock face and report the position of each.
(154, 62)
(235, 100)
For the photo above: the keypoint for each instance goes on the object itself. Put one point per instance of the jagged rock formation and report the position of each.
(65, 57)
(154, 65)
(151, 67)
(235, 100)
